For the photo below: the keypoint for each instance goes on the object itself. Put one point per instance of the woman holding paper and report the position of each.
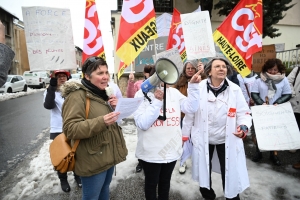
(217, 129)
(271, 88)
(102, 144)
(159, 143)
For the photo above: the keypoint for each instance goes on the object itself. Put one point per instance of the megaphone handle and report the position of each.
(164, 105)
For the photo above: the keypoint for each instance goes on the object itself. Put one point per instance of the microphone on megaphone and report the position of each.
(166, 72)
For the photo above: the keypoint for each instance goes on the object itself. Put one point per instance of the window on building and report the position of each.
(7, 29)
(159, 5)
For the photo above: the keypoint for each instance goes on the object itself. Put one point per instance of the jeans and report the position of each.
(96, 187)
(157, 174)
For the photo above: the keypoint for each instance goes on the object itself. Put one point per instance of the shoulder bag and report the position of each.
(61, 154)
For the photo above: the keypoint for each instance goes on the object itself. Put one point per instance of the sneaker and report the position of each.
(139, 167)
(182, 169)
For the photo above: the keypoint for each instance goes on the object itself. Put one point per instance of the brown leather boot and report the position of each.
(297, 165)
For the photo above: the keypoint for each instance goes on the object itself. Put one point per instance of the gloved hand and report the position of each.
(53, 82)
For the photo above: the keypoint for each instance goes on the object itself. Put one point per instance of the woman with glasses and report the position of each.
(102, 144)
(53, 101)
(189, 69)
(217, 129)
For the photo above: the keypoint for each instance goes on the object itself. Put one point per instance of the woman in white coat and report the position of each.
(159, 143)
(217, 129)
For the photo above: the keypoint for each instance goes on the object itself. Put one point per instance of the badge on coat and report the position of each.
(231, 112)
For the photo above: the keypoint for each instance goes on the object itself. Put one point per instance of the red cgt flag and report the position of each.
(137, 27)
(240, 34)
(92, 44)
(176, 38)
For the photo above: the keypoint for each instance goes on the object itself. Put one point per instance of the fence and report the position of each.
(290, 58)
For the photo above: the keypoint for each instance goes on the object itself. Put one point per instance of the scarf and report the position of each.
(270, 81)
(101, 93)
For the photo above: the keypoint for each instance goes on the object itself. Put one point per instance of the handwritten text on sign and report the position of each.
(275, 127)
(197, 35)
(49, 38)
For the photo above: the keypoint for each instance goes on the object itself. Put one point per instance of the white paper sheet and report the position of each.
(187, 151)
(127, 106)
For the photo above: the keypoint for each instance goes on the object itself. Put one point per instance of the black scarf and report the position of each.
(101, 93)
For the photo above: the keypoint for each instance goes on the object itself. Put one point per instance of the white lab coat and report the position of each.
(236, 175)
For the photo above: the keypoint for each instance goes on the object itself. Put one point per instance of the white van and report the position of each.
(37, 79)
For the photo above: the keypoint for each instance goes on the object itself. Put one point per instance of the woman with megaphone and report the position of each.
(159, 143)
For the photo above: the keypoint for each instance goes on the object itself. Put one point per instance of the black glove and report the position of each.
(53, 82)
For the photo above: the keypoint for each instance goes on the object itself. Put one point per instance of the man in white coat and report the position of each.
(220, 123)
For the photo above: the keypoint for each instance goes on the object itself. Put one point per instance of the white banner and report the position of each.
(172, 54)
(198, 35)
(276, 127)
(49, 38)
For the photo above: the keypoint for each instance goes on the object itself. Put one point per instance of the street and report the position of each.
(24, 124)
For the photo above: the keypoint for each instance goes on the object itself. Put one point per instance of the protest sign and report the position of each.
(275, 127)
(49, 38)
(173, 55)
(197, 35)
(259, 58)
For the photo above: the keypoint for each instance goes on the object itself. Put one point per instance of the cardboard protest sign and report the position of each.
(49, 38)
(173, 55)
(259, 58)
(275, 127)
(197, 35)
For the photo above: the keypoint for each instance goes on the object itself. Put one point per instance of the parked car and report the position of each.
(37, 79)
(14, 83)
(76, 76)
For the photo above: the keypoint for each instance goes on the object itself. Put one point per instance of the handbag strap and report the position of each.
(296, 76)
(87, 109)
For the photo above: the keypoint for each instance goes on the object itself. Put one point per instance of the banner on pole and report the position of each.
(240, 34)
(92, 42)
(137, 27)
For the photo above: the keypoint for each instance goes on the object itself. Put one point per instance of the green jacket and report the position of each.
(100, 146)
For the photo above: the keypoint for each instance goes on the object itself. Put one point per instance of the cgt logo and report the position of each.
(250, 35)
(231, 112)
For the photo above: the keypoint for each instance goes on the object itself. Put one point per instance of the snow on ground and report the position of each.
(6, 96)
(39, 179)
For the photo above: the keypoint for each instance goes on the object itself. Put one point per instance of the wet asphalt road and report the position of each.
(24, 125)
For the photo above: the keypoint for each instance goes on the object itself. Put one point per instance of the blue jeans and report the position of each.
(96, 187)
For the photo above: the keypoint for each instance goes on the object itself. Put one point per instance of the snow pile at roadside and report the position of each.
(6, 96)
